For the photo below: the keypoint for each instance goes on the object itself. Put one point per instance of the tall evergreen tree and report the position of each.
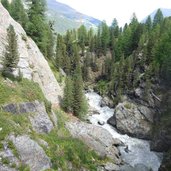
(67, 102)
(11, 56)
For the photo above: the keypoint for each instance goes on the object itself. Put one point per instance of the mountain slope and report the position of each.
(166, 13)
(66, 17)
(32, 63)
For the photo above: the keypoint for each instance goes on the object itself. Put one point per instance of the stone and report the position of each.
(39, 118)
(111, 167)
(141, 167)
(31, 153)
(101, 122)
(11, 108)
(112, 121)
(32, 63)
(106, 102)
(96, 138)
(131, 121)
(40, 121)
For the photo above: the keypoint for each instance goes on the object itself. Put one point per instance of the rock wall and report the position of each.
(32, 63)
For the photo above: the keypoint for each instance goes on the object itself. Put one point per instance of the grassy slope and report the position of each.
(63, 149)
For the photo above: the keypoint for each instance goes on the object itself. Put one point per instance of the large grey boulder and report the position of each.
(31, 153)
(32, 63)
(38, 116)
(133, 119)
(40, 121)
(96, 138)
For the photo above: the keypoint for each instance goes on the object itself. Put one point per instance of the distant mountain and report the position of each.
(66, 17)
(166, 13)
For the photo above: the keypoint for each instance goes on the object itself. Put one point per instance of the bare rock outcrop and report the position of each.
(31, 153)
(96, 138)
(32, 63)
(133, 119)
(39, 119)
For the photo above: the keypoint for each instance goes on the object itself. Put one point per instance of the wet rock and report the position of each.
(30, 153)
(93, 111)
(101, 122)
(96, 138)
(132, 120)
(112, 121)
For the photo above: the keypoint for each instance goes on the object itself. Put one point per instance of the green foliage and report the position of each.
(68, 98)
(63, 149)
(11, 56)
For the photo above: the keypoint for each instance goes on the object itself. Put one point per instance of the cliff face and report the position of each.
(32, 63)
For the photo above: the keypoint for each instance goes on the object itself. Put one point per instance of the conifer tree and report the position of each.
(11, 56)
(67, 103)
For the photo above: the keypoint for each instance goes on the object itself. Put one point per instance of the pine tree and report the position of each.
(67, 103)
(11, 56)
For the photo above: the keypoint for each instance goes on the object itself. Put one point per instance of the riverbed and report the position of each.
(134, 151)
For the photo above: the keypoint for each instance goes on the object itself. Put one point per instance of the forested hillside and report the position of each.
(133, 62)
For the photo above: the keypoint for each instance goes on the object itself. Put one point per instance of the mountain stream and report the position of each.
(138, 149)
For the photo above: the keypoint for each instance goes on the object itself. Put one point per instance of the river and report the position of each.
(139, 150)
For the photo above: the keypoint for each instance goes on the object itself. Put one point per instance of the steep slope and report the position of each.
(32, 63)
(66, 17)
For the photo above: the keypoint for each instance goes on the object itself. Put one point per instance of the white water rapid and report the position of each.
(139, 150)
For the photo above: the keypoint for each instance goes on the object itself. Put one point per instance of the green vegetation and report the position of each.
(63, 149)
(11, 57)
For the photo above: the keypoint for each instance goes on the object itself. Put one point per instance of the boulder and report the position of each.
(112, 121)
(106, 102)
(101, 122)
(132, 120)
(30, 153)
(96, 138)
(39, 119)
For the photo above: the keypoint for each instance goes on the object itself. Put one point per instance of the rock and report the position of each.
(148, 113)
(32, 63)
(106, 102)
(93, 111)
(6, 168)
(111, 167)
(101, 122)
(131, 121)
(39, 119)
(138, 93)
(96, 138)
(112, 121)
(43, 143)
(141, 167)
(31, 153)
(126, 168)
(54, 118)
(11, 108)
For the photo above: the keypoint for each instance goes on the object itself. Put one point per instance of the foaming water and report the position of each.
(138, 149)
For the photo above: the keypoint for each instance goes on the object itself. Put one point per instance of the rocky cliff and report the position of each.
(32, 63)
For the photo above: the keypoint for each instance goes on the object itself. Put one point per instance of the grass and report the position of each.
(64, 149)
(23, 91)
